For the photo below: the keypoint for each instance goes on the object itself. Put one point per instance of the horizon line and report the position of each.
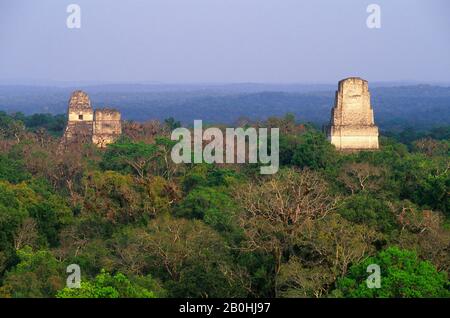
(67, 83)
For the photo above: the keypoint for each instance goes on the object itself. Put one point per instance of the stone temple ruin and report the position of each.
(352, 125)
(100, 127)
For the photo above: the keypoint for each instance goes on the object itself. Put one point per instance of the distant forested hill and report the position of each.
(418, 106)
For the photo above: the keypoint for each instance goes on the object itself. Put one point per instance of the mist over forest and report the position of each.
(396, 106)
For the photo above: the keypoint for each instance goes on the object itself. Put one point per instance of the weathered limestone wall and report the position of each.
(354, 139)
(80, 118)
(101, 127)
(352, 125)
(107, 127)
(80, 105)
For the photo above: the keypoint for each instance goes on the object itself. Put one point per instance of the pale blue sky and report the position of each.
(188, 41)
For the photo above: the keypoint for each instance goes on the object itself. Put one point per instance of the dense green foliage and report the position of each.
(139, 225)
(404, 275)
(106, 285)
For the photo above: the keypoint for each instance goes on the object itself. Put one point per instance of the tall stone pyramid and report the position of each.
(352, 125)
(102, 126)
(80, 118)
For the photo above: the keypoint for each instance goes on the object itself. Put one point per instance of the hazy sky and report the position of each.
(186, 41)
